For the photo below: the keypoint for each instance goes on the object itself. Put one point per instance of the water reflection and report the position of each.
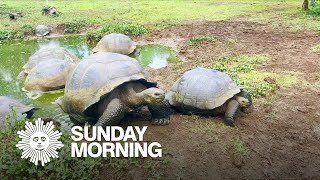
(156, 56)
(14, 54)
(5, 75)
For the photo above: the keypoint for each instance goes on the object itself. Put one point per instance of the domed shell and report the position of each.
(48, 75)
(96, 76)
(203, 89)
(6, 104)
(49, 53)
(42, 30)
(116, 43)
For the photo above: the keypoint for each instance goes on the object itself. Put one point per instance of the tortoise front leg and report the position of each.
(231, 111)
(160, 113)
(113, 114)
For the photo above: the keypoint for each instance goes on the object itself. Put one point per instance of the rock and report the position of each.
(302, 109)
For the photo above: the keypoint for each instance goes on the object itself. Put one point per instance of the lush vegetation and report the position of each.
(9, 35)
(153, 14)
(65, 167)
(315, 9)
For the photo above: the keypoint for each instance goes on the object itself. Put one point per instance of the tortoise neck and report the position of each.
(134, 96)
(141, 98)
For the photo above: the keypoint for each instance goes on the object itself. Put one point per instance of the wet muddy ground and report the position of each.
(279, 140)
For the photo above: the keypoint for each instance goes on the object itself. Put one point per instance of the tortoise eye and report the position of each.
(157, 94)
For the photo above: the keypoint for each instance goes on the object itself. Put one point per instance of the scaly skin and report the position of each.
(160, 113)
(112, 108)
(241, 101)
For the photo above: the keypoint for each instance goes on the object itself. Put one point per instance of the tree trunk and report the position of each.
(305, 5)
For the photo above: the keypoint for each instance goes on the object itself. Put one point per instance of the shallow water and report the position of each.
(156, 56)
(14, 54)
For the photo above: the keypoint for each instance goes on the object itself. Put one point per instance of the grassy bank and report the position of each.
(77, 16)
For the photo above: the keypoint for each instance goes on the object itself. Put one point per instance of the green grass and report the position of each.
(155, 14)
(244, 71)
(209, 129)
(238, 151)
(289, 15)
(196, 41)
(316, 48)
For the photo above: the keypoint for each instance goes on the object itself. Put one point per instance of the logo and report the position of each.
(39, 142)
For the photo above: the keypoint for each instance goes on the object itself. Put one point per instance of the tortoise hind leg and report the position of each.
(160, 113)
(113, 114)
(231, 112)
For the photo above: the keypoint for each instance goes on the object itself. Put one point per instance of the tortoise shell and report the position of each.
(203, 89)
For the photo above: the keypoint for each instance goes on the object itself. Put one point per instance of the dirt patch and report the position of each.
(282, 134)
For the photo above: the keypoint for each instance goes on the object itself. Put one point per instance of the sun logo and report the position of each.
(39, 142)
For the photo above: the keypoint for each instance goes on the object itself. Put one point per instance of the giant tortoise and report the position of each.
(46, 54)
(48, 75)
(8, 104)
(208, 92)
(42, 30)
(117, 43)
(106, 86)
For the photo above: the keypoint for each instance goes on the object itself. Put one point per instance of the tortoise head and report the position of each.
(243, 102)
(153, 95)
(244, 99)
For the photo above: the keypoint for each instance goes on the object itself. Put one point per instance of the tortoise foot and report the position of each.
(229, 122)
(160, 121)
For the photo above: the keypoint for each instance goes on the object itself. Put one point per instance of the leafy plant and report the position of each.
(65, 167)
(74, 26)
(10, 35)
(315, 9)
